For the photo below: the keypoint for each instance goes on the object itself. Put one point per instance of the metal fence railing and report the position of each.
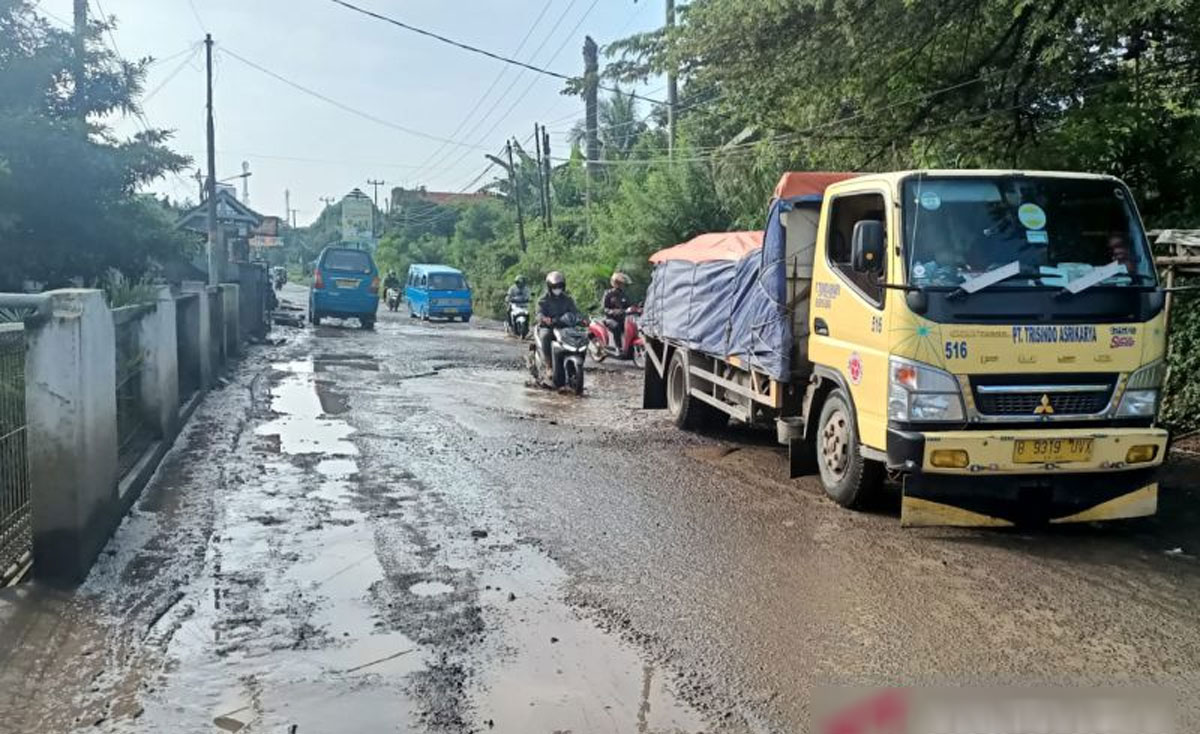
(134, 435)
(16, 526)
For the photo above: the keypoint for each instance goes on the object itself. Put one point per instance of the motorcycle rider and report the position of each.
(614, 304)
(391, 281)
(555, 304)
(518, 293)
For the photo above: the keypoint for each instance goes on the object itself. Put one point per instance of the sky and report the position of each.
(415, 88)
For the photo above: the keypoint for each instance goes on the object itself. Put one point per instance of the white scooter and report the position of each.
(518, 320)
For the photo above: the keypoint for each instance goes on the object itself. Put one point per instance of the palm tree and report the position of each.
(619, 126)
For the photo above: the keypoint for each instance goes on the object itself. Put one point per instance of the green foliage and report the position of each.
(120, 290)
(69, 207)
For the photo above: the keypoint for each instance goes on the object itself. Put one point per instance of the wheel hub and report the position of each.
(835, 443)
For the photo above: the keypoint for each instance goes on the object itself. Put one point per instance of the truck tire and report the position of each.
(690, 413)
(849, 479)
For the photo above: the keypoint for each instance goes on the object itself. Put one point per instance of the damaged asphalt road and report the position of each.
(392, 531)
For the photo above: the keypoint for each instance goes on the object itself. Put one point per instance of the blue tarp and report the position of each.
(730, 308)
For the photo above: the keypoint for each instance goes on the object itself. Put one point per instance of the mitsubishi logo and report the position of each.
(1045, 408)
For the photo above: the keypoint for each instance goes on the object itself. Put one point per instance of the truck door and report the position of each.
(847, 330)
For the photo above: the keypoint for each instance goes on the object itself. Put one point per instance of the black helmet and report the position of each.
(555, 280)
(520, 280)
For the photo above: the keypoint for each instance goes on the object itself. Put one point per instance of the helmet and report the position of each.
(520, 280)
(556, 279)
(619, 278)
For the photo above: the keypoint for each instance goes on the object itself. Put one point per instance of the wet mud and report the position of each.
(393, 531)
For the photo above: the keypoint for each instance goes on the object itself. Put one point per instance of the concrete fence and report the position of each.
(106, 392)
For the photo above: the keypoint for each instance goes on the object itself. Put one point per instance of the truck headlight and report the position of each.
(1141, 392)
(918, 393)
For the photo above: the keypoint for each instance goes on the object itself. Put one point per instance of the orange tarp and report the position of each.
(712, 246)
(807, 183)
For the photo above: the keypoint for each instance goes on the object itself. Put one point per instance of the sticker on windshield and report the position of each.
(930, 201)
(1032, 216)
(918, 271)
(1037, 236)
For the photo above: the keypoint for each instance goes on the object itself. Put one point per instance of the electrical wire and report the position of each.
(483, 97)
(512, 107)
(482, 120)
(169, 77)
(464, 46)
(196, 15)
(345, 107)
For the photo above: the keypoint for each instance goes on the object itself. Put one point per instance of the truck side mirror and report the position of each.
(868, 246)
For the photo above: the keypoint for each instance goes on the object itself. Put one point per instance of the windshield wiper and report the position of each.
(990, 278)
(1095, 277)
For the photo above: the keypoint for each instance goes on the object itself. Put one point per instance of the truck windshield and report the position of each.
(1055, 230)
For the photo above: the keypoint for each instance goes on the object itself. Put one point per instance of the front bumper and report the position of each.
(994, 490)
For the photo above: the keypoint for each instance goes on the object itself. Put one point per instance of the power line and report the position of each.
(484, 118)
(479, 103)
(174, 72)
(464, 46)
(196, 15)
(347, 108)
(528, 89)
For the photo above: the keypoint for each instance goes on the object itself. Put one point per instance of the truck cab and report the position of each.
(996, 338)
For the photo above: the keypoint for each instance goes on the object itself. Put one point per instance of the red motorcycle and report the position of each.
(602, 345)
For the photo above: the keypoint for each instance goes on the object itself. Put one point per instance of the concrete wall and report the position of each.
(191, 346)
(71, 409)
(71, 372)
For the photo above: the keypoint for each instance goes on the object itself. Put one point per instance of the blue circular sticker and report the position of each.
(930, 201)
(1032, 216)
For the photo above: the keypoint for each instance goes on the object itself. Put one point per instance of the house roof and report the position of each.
(229, 211)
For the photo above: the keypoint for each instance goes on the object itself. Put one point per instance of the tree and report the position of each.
(619, 126)
(69, 206)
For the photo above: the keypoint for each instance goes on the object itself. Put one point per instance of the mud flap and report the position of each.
(1026, 500)
(654, 386)
(802, 458)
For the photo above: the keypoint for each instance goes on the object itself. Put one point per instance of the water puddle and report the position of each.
(303, 426)
(558, 672)
(430, 588)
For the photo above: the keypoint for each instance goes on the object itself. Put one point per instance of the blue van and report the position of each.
(345, 285)
(437, 291)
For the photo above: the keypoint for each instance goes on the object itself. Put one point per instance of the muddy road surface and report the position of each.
(392, 531)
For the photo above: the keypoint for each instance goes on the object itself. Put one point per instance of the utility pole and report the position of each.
(591, 82)
(287, 205)
(375, 207)
(246, 183)
(672, 88)
(516, 187)
(546, 175)
(200, 182)
(216, 242)
(80, 54)
(537, 142)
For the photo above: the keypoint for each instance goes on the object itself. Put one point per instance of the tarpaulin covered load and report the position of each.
(725, 293)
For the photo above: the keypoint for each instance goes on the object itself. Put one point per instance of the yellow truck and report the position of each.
(993, 339)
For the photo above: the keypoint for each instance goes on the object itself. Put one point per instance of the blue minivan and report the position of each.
(345, 285)
(437, 291)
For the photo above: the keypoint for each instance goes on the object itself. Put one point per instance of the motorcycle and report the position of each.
(393, 298)
(568, 349)
(602, 345)
(518, 320)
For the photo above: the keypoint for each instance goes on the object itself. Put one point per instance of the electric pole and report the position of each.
(591, 82)
(515, 180)
(216, 242)
(287, 205)
(246, 183)
(546, 175)
(537, 141)
(80, 55)
(375, 207)
(672, 88)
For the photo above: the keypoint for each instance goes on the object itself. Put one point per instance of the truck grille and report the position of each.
(1060, 395)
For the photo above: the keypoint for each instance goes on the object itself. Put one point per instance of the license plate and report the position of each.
(450, 310)
(1052, 450)
(347, 283)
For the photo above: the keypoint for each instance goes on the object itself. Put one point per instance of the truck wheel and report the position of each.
(690, 413)
(849, 479)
